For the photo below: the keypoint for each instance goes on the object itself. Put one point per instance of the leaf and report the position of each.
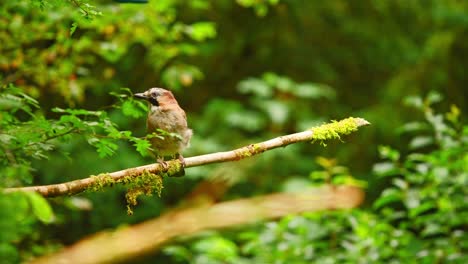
(314, 91)
(454, 114)
(433, 97)
(276, 110)
(73, 28)
(130, 108)
(420, 142)
(248, 120)
(432, 229)
(348, 180)
(414, 101)
(104, 147)
(326, 163)
(413, 127)
(400, 183)
(388, 196)
(201, 30)
(256, 87)
(385, 169)
(285, 84)
(387, 152)
(270, 78)
(217, 247)
(319, 175)
(142, 146)
(40, 207)
(413, 212)
(180, 253)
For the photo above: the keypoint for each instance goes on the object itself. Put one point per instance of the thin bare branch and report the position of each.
(320, 133)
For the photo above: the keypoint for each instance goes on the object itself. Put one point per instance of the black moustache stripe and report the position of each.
(154, 101)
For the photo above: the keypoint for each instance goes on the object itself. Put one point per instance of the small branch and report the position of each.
(320, 133)
(148, 237)
(47, 138)
(77, 4)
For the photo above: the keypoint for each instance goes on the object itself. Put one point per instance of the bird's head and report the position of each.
(157, 97)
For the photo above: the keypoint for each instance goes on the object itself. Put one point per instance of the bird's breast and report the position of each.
(171, 121)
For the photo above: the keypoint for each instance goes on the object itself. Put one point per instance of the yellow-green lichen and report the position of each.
(174, 169)
(243, 153)
(333, 130)
(145, 184)
(256, 148)
(101, 181)
(249, 151)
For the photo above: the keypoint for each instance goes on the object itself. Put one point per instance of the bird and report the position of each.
(166, 125)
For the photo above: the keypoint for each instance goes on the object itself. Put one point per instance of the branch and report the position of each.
(148, 237)
(321, 133)
(46, 139)
(77, 4)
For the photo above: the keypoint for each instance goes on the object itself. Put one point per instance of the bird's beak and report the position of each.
(140, 96)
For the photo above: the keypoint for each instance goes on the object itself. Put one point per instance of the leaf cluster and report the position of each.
(26, 134)
(419, 218)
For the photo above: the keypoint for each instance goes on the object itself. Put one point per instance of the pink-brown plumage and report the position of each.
(166, 114)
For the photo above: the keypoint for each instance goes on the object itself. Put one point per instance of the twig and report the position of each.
(78, 4)
(321, 133)
(47, 138)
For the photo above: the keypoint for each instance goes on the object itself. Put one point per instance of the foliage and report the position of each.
(260, 7)
(26, 134)
(419, 218)
(67, 55)
(244, 71)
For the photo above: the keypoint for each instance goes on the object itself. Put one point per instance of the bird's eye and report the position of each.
(154, 94)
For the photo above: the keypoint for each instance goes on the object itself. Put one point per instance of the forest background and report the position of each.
(245, 71)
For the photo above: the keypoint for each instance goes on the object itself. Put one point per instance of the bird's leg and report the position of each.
(162, 162)
(181, 159)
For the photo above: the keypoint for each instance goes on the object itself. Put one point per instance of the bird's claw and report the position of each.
(181, 159)
(163, 164)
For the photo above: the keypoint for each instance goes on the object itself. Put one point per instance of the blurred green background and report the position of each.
(244, 71)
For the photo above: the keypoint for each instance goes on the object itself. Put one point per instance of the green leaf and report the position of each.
(132, 109)
(255, 86)
(432, 229)
(202, 30)
(40, 207)
(142, 146)
(400, 183)
(388, 196)
(433, 97)
(276, 110)
(77, 111)
(414, 101)
(413, 127)
(104, 147)
(180, 253)
(73, 28)
(413, 212)
(420, 142)
(387, 152)
(217, 247)
(319, 175)
(385, 169)
(348, 180)
(314, 91)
